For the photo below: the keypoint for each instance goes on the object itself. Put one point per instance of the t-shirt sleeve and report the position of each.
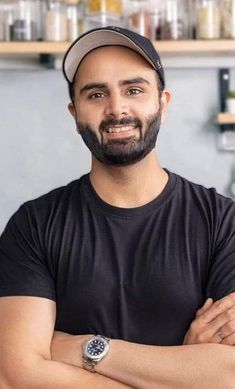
(221, 281)
(24, 267)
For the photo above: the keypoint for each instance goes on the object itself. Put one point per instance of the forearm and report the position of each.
(45, 374)
(177, 367)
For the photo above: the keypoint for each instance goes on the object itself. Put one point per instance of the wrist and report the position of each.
(67, 348)
(94, 350)
(105, 366)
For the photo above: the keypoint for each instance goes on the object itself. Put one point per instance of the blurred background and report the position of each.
(39, 147)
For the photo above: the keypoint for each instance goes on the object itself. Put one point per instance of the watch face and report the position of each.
(96, 348)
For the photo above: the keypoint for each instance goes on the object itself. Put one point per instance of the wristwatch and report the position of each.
(94, 350)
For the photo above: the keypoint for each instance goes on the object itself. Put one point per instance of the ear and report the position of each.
(72, 111)
(164, 101)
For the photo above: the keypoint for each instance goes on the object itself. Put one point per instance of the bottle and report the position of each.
(228, 19)
(24, 26)
(101, 13)
(75, 18)
(139, 17)
(208, 19)
(55, 21)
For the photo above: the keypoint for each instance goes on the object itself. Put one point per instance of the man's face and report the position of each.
(117, 108)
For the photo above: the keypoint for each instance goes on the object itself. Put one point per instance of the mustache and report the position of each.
(110, 122)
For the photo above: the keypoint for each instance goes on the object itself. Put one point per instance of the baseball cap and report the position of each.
(110, 36)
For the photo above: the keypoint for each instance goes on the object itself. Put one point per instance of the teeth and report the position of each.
(121, 129)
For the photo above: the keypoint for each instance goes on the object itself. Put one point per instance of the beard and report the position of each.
(123, 151)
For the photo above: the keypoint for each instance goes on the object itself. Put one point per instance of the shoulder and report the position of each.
(57, 196)
(196, 191)
(48, 207)
(198, 198)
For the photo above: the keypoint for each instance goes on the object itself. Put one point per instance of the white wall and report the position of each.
(40, 150)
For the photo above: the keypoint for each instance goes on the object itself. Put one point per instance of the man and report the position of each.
(130, 251)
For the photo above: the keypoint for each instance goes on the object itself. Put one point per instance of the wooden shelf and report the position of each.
(225, 118)
(24, 48)
(224, 47)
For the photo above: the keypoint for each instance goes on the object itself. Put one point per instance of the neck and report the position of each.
(129, 186)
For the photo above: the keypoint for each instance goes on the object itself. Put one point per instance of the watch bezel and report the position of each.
(95, 357)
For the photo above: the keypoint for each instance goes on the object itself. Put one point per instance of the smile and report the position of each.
(118, 129)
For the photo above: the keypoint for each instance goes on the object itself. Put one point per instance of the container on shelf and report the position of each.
(156, 22)
(2, 22)
(75, 18)
(8, 22)
(208, 19)
(24, 24)
(139, 17)
(176, 19)
(101, 13)
(40, 6)
(228, 19)
(55, 21)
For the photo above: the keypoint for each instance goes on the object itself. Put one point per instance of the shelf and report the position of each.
(25, 48)
(223, 47)
(225, 118)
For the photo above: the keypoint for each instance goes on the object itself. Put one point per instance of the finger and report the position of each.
(223, 319)
(229, 340)
(222, 326)
(205, 306)
(218, 307)
(228, 328)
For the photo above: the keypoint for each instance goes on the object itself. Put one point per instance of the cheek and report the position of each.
(89, 115)
(145, 108)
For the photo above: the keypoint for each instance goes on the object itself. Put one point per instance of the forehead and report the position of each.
(112, 62)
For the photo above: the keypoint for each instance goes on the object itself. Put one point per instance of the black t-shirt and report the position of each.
(137, 274)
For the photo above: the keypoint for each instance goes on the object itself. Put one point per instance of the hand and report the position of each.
(67, 348)
(214, 323)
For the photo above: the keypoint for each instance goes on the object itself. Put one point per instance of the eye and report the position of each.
(96, 95)
(134, 91)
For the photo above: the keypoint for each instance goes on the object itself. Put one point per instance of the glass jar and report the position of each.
(101, 13)
(2, 35)
(208, 19)
(176, 16)
(228, 19)
(75, 18)
(40, 6)
(156, 22)
(8, 20)
(139, 17)
(24, 26)
(55, 21)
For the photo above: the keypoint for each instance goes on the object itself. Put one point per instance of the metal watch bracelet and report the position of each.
(88, 363)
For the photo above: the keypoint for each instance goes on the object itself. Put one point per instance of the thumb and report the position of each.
(207, 304)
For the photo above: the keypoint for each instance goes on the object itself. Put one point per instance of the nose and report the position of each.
(116, 106)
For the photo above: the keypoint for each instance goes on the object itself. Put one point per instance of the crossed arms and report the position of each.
(31, 357)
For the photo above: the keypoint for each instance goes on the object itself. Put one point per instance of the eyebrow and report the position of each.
(137, 80)
(103, 85)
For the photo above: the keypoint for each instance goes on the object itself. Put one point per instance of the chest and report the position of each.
(130, 280)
